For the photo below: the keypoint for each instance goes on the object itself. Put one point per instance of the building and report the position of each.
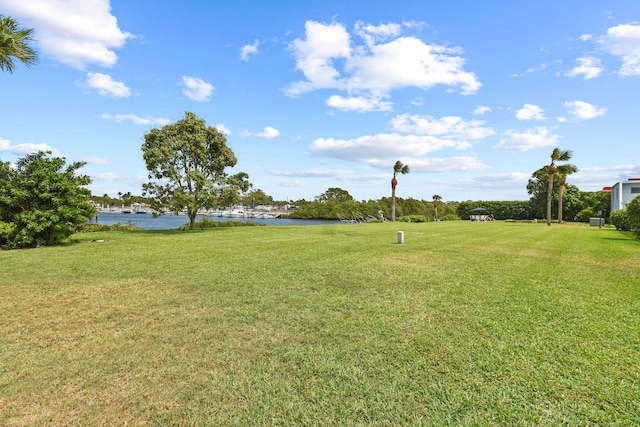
(623, 192)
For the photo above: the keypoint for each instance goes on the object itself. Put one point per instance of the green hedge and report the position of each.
(509, 209)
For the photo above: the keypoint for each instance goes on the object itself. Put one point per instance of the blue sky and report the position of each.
(472, 95)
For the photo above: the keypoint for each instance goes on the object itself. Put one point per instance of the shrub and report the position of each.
(620, 220)
(633, 215)
(88, 228)
(450, 217)
(413, 218)
(6, 231)
(207, 223)
(587, 213)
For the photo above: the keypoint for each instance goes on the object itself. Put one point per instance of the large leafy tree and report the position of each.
(334, 194)
(563, 171)
(14, 43)
(42, 199)
(398, 168)
(557, 155)
(186, 161)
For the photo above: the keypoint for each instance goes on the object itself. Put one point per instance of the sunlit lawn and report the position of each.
(464, 324)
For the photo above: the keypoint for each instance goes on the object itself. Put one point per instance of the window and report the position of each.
(635, 190)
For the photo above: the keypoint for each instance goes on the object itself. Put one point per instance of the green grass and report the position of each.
(465, 324)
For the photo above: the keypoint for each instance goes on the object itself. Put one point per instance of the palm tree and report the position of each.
(557, 155)
(14, 43)
(562, 171)
(397, 168)
(436, 199)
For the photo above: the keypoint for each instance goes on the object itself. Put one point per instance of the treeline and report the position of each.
(406, 209)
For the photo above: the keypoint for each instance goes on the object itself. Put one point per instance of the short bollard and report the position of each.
(400, 237)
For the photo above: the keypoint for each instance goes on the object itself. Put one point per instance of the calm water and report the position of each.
(169, 222)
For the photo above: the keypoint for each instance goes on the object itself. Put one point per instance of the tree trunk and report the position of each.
(394, 182)
(393, 204)
(560, 194)
(192, 220)
(549, 197)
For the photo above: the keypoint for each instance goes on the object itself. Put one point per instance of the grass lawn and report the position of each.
(464, 324)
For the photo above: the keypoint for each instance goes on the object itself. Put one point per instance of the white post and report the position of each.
(400, 237)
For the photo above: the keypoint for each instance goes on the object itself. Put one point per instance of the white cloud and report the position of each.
(358, 103)
(541, 67)
(376, 67)
(249, 49)
(98, 161)
(316, 173)
(588, 67)
(530, 112)
(197, 89)
(583, 110)
(106, 176)
(369, 148)
(373, 34)
(451, 127)
(119, 118)
(74, 32)
(624, 41)
(269, 133)
(222, 128)
(528, 140)
(481, 109)
(22, 149)
(105, 85)
(436, 164)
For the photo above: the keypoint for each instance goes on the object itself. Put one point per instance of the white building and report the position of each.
(623, 192)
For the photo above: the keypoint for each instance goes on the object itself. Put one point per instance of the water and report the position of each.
(171, 222)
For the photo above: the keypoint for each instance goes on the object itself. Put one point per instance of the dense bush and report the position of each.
(412, 218)
(633, 215)
(88, 228)
(585, 214)
(43, 199)
(450, 217)
(510, 209)
(620, 220)
(6, 230)
(207, 223)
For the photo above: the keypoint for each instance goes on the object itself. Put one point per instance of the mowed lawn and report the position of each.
(464, 324)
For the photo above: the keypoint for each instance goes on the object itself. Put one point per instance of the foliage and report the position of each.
(14, 43)
(412, 218)
(537, 188)
(337, 195)
(43, 198)
(587, 213)
(255, 198)
(600, 201)
(398, 168)
(501, 210)
(92, 227)
(620, 220)
(450, 217)
(633, 215)
(186, 161)
(207, 223)
(563, 170)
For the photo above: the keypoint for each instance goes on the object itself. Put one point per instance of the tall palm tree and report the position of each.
(557, 155)
(14, 43)
(436, 199)
(562, 171)
(397, 168)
